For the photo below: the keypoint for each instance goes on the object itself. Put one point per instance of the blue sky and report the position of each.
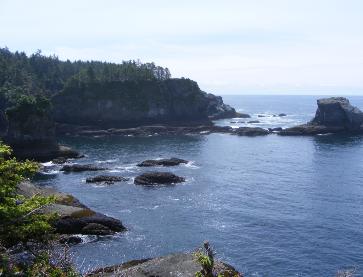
(229, 47)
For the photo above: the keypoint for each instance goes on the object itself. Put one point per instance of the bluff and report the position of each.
(29, 128)
(333, 115)
(135, 103)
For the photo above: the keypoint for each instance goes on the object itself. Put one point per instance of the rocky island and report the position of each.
(333, 115)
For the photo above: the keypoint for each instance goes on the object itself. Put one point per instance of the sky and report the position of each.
(227, 46)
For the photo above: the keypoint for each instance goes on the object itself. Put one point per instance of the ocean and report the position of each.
(270, 206)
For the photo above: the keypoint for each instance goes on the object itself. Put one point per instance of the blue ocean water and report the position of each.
(271, 206)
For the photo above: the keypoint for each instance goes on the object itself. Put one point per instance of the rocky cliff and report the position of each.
(28, 127)
(135, 103)
(333, 115)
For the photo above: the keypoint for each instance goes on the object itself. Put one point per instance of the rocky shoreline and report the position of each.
(91, 131)
(74, 219)
(334, 115)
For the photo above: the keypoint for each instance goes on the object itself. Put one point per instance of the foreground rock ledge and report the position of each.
(174, 265)
(74, 217)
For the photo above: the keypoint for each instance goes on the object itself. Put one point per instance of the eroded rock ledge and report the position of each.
(173, 265)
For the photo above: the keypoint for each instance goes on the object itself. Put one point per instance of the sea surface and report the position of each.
(271, 206)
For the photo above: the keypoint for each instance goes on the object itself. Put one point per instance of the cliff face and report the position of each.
(30, 130)
(130, 103)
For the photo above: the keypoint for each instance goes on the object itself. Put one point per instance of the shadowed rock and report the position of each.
(81, 168)
(277, 129)
(247, 131)
(106, 179)
(334, 115)
(163, 162)
(158, 178)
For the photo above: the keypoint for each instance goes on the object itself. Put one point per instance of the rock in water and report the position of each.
(106, 179)
(81, 168)
(338, 112)
(158, 178)
(334, 115)
(251, 132)
(163, 162)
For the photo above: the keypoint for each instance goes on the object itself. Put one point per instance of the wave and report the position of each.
(192, 165)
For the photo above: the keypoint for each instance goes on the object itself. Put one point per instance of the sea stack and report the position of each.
(334, 115)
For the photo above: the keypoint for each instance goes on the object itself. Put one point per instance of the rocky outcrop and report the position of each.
(216, 109)
(74, 217)
(334, 115)
(72, 130)
(106, 179)
(162, 162)
(250, 132)
(158, 178)
(174, 265)
(338, 112)
(135, 103)
(81, 168)
(29, 129)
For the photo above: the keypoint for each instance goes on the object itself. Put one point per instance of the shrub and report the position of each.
(19, 217)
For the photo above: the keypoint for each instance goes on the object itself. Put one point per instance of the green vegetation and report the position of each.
(22, 223)
(28, 82)
(46, 75)
(205, 258)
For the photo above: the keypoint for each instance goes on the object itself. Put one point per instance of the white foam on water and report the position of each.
(192, 165)
(107, 161)
(50, 172)
(114, 170)
(47, 164)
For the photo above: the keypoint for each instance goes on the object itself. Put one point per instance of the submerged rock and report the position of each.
(282, 114)
(163, 162)
(106, 179)
(158, 178)
(81, 168)
(334, 115)
(173, 265)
